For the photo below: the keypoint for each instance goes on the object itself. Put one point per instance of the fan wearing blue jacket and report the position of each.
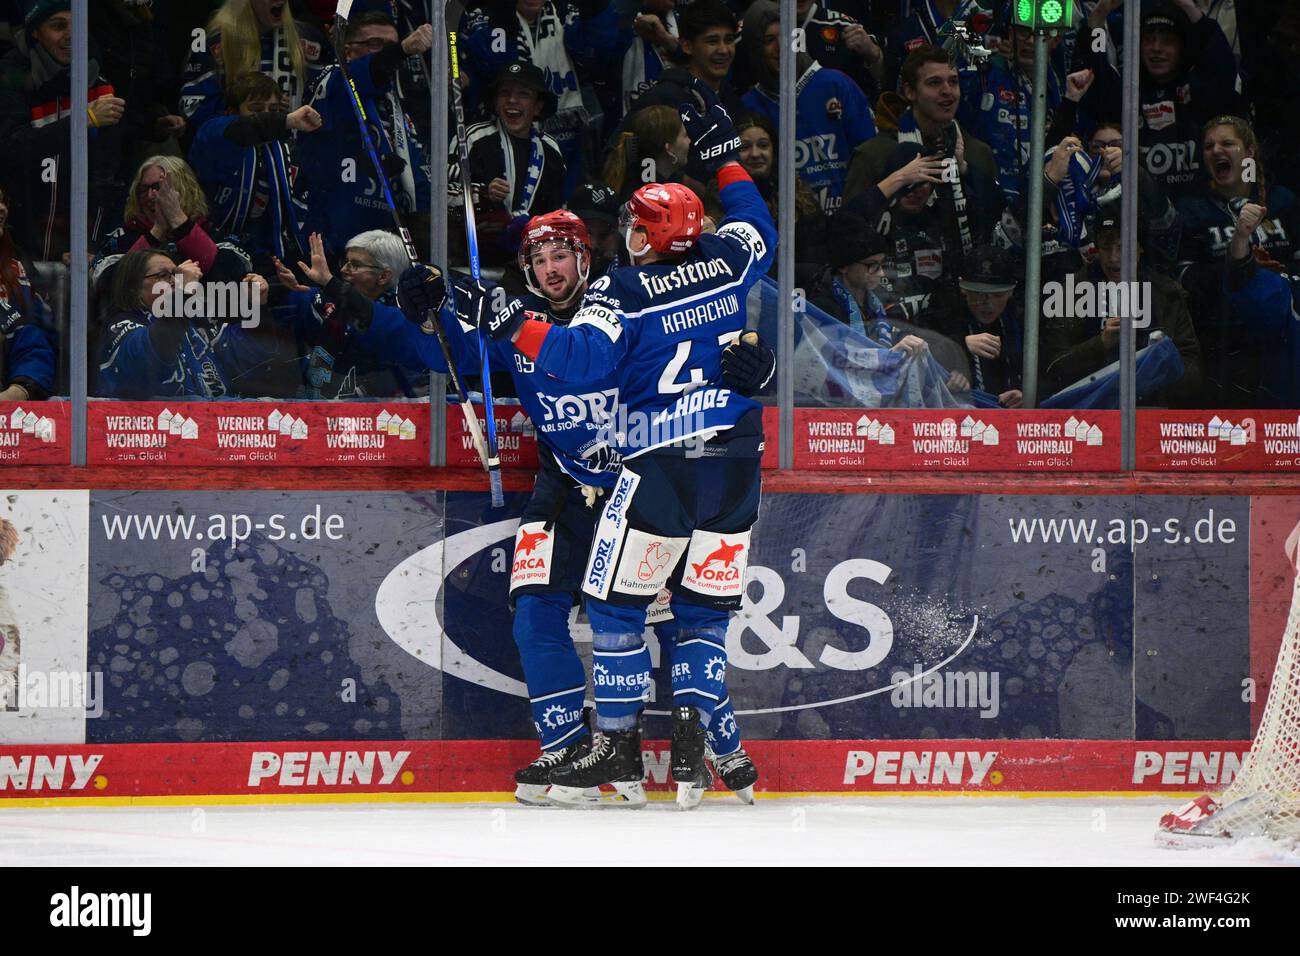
(343, 324)
(145, 355)
(245, 166)
(1240, 264)
(343, 194)
(27, 342)
(247, 35)
(996, 101)
(832, 114)
(687, 496)
(27, 369)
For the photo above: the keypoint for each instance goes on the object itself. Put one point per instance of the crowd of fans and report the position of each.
(225, 146)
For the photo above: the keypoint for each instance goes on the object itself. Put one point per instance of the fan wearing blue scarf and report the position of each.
(243, 161)
(516, 171)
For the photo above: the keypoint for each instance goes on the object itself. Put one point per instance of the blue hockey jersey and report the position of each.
(832, 118)
(660, 329)
(209, 362)
(340, 207)
(251, 190)
(995, 107)
(568, 419)
(26, 352)
(341, 360)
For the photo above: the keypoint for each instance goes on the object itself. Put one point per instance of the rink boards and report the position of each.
(982, 642)
(415, 771)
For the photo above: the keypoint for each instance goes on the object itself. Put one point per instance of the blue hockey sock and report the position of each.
(723, 734)
(620, 670)
(699, 658)
(552, 668)
(700, 670)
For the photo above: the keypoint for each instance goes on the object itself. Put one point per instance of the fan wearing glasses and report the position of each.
(1160, 223)
(148, 351)
(343, 206)
(344, 323)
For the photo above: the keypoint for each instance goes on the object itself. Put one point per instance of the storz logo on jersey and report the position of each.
(574, 410)
(816, 149)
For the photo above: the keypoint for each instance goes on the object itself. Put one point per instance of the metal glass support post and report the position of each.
(1128, 237)
(785, 243)
(1034, 228)
(439, 136)
(79, 231)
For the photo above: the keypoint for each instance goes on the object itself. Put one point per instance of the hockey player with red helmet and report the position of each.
(687, 494)
(556, 527)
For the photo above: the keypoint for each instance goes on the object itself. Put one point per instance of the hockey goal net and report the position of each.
(1264, 798)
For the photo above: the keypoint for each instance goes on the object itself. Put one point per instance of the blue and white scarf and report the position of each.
(286, 212)
(871, 323)
(1076, 196)
(532, 175)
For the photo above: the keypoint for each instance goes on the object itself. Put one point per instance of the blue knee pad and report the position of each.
(552, 668)
(620, 670)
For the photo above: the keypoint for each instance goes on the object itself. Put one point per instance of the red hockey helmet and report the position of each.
(670, 213)
(558, 226)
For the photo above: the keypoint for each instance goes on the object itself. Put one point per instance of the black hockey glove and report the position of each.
(748, 364)
(714, 140)
(473, 302)
(421, 290)
(503, 325)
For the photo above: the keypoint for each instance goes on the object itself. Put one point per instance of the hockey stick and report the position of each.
(359, 111)
(471, 242)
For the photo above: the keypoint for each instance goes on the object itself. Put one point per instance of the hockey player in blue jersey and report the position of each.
(687, 494)
(556, 527)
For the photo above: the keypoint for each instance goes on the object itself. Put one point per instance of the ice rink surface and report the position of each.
(876, 831)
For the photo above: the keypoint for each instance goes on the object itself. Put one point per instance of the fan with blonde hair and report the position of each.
(193, 199)
(239, 34)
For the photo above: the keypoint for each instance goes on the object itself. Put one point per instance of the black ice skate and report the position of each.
(690, 772)
(738, 773)
(614, 762)
(533, 781)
